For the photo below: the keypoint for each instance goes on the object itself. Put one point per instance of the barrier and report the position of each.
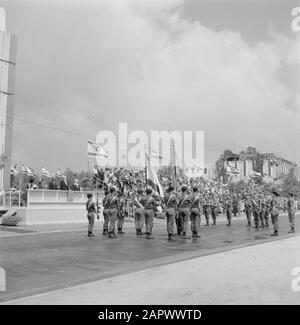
(47, 206)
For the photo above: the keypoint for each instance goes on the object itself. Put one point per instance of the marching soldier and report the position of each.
(91, 210)
(235, 205)
(113, 207)
(275, 213)
(228, 210)
(262, 211)
(149, 204)
(256, 211)
(267, 203)
(139, 213)
(184, 210)
(195, 213)
(121, 209)
(214, 210)
(205, 206)
(105, 213)
(170, 202)
(291, 212)
(248, 210)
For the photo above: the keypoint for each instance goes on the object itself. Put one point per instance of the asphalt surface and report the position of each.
(38, 261)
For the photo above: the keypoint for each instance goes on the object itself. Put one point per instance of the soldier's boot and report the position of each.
(105, 232)
(195, 235)
(148, 235)
(90, 234)
(292, 230)
(249, 224)
(170, 237)
(207, 222)
(275, 233)
(120, 231)
(184, 236)
(112, 234)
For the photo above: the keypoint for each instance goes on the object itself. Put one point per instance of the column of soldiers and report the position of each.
(184, 206)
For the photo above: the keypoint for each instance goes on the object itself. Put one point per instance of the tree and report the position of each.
(290, 184)
(221, 172)
(256, 156)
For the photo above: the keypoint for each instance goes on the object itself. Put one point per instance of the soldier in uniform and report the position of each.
(228, 209)
(267, 204)
(248, 210)
(235, 205)
(139, 213)
(170, 202)
(184, 210)
(291, 212)
(275, 213)
(195, 213)
(214, 209)
(105, 213)
(113, 207)
(121, 211)
(262, 211)
(91, 210)
(149, 204)
(205, 206)
(256, 210)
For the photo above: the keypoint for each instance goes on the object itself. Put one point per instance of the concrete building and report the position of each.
(275, 167)
(8, 45)
(243, 165)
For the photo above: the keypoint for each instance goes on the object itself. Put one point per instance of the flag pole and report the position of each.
(146, 166)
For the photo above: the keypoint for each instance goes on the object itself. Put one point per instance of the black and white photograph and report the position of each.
(150, 156)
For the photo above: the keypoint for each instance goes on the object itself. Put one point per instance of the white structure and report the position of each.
(51, 207)
(244, 166)
(8, 44)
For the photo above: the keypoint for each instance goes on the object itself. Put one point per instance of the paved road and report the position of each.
(37, 262)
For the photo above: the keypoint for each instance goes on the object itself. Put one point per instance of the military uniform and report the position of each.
(275, 215)
(256, 212)
(262, 212)
(91, 210)
(267, 207)
(184, 212)
(112, 206)
(105, 215)
(228, 210)
(291, 213)
(170, 210)
(138, 214)
(214, 210)
(120, 215)
(205, 206)
(195, 215)
(248, 210)
(150, 205)
(235, 204)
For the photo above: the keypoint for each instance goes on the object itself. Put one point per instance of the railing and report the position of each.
(12, 198)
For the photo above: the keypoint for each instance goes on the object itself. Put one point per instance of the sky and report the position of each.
(230, 68)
